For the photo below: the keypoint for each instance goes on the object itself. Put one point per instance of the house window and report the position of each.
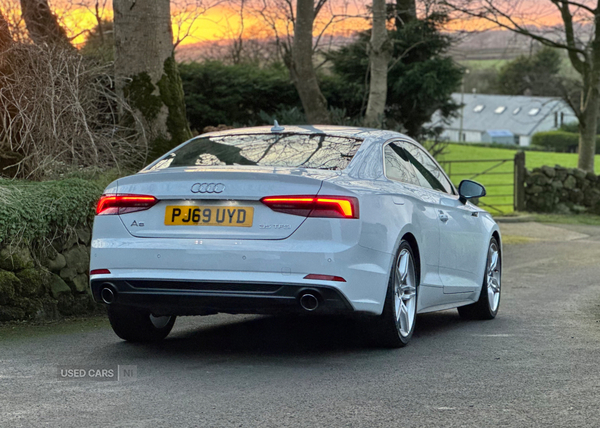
(500, 110)
(479, 108)
(533, 111)
(517, 110)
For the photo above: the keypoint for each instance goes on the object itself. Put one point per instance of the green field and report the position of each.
(498, 184)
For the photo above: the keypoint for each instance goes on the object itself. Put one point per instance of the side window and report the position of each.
(428, 173)
(397, 165)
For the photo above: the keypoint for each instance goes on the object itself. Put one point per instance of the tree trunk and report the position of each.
(406, 11)
(5, 36)
(379, 57)
(42, 24)
(146, 72)
(588, 122)
(302, 70)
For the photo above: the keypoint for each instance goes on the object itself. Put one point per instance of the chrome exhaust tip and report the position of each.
(107, 295)
(309, 302)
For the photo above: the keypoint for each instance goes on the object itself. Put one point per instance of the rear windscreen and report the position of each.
(286, 150)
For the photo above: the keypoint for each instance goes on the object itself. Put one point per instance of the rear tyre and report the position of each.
(136, 325)
(395, 327)
(487, 306)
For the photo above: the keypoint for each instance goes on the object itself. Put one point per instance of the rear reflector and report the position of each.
(99, 272)
(123, 204)
(325, 277)
(314, 206)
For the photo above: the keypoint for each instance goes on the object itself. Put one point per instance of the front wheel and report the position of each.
(396, 325)
(136, 325)
(487, 306)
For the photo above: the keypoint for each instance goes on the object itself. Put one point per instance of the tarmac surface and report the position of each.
(536, 364)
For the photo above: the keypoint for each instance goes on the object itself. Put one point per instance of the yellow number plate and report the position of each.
(186, 215)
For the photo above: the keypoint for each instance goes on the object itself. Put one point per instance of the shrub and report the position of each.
(216, 93)
(59, 112)
(35, 213)
(560, 141)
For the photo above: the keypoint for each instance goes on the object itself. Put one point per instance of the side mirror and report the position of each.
(468, 189)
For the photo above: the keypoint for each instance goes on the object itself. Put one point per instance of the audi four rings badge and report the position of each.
(208, 187)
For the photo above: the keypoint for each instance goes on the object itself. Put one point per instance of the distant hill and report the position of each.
(487, 45)
(491, 45)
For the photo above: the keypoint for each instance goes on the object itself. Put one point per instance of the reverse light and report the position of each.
(325, 277)
(123, 204)
(314, 206)
(99, 272)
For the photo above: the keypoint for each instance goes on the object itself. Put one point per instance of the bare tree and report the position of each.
(379, 58)
(185, 14)
(11, 11)
(60, 114)
(42, 24)
(5, 36)
(146, 71)
(302, 70)
(578, 34)
(299, 29)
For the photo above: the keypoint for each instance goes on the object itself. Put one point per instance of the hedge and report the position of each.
(216, 93)
(560, 141)
(32, 212)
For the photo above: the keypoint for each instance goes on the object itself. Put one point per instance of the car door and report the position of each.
(462, 240)
(424, 218)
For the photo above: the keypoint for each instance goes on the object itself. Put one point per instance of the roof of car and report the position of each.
(337, 131)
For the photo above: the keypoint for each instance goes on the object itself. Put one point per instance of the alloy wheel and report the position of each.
(405, 293)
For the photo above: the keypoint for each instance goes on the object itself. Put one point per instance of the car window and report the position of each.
(428, 173)
(285, 150)
(397, 165)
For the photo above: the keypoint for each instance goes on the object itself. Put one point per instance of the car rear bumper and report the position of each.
(279, 265)
(189, 297)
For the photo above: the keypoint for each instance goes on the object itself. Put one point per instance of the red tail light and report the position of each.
(314, 206)
(123, 204)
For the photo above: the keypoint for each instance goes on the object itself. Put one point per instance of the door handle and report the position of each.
(443, 216)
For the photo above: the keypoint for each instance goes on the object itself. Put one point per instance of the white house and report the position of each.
(504, 119)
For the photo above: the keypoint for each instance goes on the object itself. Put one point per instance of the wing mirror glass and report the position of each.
(468, 189)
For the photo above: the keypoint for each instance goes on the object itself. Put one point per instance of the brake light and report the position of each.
(314, 206)
(123, 204)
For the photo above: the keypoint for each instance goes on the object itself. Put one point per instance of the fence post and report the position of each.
(519, 192)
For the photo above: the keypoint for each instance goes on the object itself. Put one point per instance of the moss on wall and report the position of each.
(32, 212)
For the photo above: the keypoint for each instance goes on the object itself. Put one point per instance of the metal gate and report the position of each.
(502, 178)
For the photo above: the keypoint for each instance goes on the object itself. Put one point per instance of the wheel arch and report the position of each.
(414, 246)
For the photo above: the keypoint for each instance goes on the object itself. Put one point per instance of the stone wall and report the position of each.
(562, 190)
(48, 283)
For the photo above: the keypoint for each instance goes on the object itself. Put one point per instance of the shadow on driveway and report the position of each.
(287, 336)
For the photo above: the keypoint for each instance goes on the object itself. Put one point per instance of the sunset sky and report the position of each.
(209, 20)
(203, 21)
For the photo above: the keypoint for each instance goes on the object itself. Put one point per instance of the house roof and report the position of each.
(520, 115)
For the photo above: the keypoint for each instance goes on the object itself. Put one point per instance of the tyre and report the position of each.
(135, 325)
(487, 306)
(396, 325)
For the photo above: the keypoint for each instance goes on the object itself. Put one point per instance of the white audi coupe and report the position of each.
(295, 219)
